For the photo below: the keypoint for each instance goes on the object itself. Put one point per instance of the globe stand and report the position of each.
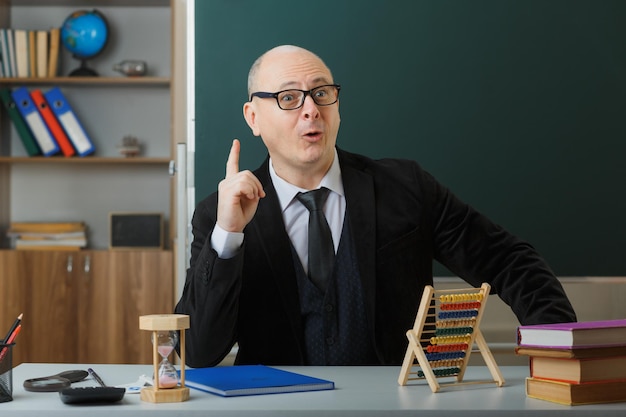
(83, 71)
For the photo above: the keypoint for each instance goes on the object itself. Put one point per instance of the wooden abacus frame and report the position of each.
(444, 352)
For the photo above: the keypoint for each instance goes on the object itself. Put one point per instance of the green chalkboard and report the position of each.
(519, 106)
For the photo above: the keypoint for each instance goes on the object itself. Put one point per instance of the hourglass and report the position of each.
(165, 329)
(166, 342)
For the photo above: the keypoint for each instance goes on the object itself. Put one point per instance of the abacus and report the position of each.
(443, 350)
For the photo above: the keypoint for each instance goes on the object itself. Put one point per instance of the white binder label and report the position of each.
(75, 132)
(44, 140)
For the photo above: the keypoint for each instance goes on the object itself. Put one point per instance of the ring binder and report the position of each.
(66, 116)
(35, 122)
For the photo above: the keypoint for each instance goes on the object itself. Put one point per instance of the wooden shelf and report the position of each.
(89, 160)
(93, 3)
(89, 81)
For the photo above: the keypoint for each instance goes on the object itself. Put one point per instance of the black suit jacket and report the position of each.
(401, 219)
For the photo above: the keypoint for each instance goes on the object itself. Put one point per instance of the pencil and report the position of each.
(16, 323)
(10, 340)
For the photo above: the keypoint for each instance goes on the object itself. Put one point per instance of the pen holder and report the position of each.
(6, 372)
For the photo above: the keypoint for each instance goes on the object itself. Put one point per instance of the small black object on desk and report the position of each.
(92, 395)
(56, 382)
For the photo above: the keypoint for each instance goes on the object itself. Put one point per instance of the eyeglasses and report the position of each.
(324, 95)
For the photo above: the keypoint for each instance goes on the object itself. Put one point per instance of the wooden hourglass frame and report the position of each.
(157, 323)
(443, 350)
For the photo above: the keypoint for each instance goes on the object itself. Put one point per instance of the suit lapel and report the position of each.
(270, 229)
(360, 207)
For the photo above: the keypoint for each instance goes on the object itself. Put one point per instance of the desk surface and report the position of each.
(360, 391)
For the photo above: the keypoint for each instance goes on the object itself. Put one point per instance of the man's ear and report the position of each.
(249, 113)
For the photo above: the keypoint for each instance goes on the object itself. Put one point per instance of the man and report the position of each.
(250, 281)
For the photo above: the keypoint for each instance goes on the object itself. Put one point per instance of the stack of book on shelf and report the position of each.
(45, 122)
(576, 363)
(48, 235)
(26, 53)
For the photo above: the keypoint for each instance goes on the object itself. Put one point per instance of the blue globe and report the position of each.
(84, 33)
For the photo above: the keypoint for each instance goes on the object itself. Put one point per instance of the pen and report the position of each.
(16, 323)
(96, 377)
(10, 340)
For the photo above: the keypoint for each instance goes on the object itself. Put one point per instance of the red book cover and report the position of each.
(52, 123)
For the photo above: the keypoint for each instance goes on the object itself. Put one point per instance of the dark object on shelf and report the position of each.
(130, 146)
(136, 230)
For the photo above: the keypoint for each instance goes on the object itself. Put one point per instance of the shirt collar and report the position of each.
(286, 191)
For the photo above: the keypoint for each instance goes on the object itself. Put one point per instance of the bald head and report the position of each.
(300, 140)
(277, 53)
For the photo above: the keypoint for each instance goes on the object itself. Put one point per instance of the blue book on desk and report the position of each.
(232, 381)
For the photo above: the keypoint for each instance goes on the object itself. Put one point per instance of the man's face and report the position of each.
(301, 140)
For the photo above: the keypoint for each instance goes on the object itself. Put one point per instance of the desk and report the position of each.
(360, 391)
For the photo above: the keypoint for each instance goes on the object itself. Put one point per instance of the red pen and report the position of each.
(10, 340)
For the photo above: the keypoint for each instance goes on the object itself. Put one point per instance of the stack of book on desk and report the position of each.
(48, 235)
(576, 363)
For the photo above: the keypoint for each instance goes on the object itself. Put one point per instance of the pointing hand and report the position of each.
(238, 194)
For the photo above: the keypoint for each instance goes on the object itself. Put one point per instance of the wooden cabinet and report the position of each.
(84, 306)
(13, 292)
(116, 288)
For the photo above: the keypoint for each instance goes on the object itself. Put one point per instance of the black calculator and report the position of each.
(91, 395)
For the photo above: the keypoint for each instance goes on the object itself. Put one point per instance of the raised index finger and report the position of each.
(232, 165)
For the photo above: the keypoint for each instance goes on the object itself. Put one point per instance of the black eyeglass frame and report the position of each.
(263, 94)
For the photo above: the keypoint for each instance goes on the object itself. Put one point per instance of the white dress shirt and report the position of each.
(295, 215)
